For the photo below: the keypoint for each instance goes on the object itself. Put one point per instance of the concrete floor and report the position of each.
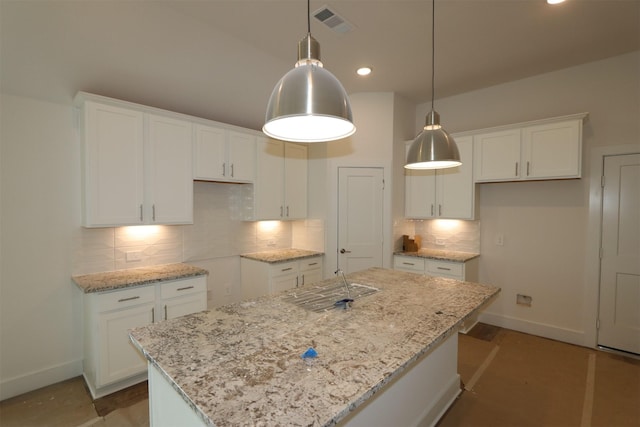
(510, 379)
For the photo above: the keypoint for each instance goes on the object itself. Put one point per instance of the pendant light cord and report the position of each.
(308, 16)
(433, 50)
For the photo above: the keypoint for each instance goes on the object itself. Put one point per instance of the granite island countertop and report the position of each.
(241, 364)
(281, 255)
(454, 256)
(110, 280)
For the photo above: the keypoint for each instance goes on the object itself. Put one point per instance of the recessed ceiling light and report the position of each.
(364, 71)
(555, 1)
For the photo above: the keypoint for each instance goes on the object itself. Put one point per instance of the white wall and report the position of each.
(545, 224)
(40, 311)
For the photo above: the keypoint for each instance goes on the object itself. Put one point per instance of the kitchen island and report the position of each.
(390, 359)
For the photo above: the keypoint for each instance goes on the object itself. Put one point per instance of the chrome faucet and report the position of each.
(346, 302)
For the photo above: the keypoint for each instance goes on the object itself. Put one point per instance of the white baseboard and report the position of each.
(534, 328)
(34, 380)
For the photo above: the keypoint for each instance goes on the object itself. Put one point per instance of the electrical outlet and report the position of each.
(133, 256)
(525, 300)
(500, 239)
(440, 242)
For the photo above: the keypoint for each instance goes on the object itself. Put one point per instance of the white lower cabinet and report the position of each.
(111, 362)
(462, 270)
(263, 278)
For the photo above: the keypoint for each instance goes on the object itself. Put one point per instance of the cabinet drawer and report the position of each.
(409, 263)
(448, 269)
(124, 298)
(310, 264)
(284, 268)
(176, 288)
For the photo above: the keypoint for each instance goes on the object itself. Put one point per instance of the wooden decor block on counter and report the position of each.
(411, 245)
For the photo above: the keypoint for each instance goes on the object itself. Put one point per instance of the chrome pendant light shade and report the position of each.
(308, 104)
(433, 148)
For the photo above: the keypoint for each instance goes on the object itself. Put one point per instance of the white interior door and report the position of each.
(360, 205)
(619, 315)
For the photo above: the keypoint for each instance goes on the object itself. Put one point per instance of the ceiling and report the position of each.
(220, 59)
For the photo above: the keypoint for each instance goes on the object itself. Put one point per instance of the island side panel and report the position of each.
(167, 408)
(419, 397)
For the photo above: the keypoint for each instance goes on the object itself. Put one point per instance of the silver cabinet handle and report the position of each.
(287, 269)
(439, 210)
(432, 209)
(129, 299)
(516, 169)
(153, 315)
(287, 211)
(443, 268)
(313, 263)
(153, 210)
(303, 280)
(185, 288)
(231, 170)
(281, 210)
(165, 312)
(140, 213)
(344, 251)
(408, 263)
(527, 168)
(224, 169)
(297, 281)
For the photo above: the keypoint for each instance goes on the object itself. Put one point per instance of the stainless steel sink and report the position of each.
(324, 298)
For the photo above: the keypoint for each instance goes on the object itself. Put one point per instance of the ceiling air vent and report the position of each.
(332, 20)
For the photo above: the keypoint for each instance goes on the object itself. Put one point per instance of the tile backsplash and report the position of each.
(214, 240)
(447, 234)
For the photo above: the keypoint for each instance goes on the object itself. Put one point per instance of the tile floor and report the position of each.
(510, 379)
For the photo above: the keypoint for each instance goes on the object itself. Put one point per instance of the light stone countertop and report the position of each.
(281, 255)
(107, 281)
(241, 364)
(440, 255)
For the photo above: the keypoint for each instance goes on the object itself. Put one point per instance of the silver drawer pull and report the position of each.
(408, 263)
(185, 288)
(128, 299)
(444, 268)
(287, 269)
(313, 263)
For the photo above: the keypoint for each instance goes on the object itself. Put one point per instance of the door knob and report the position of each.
(344, 251)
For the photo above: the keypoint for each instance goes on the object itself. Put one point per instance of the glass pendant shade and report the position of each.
(308, 104)
(433, 148)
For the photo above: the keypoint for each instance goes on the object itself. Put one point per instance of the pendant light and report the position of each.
(433, 148)
(308, 104)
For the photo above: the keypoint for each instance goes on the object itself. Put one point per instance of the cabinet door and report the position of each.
(241, 156)
(420, 193)
(282, 283)
(169, 183)
(209, 153)
(455, 187)
(268, 194)
(113, 169)
(552, 150)
(497, 156)
(119, 359)
(295, 181)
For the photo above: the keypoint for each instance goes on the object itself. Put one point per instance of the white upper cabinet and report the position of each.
(223, 155)
(547, 149)
(443, 193)
(113, 145)
(169, 181)
(280, 189)
(137, 166)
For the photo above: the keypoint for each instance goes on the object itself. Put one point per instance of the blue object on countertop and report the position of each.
(309, 353)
